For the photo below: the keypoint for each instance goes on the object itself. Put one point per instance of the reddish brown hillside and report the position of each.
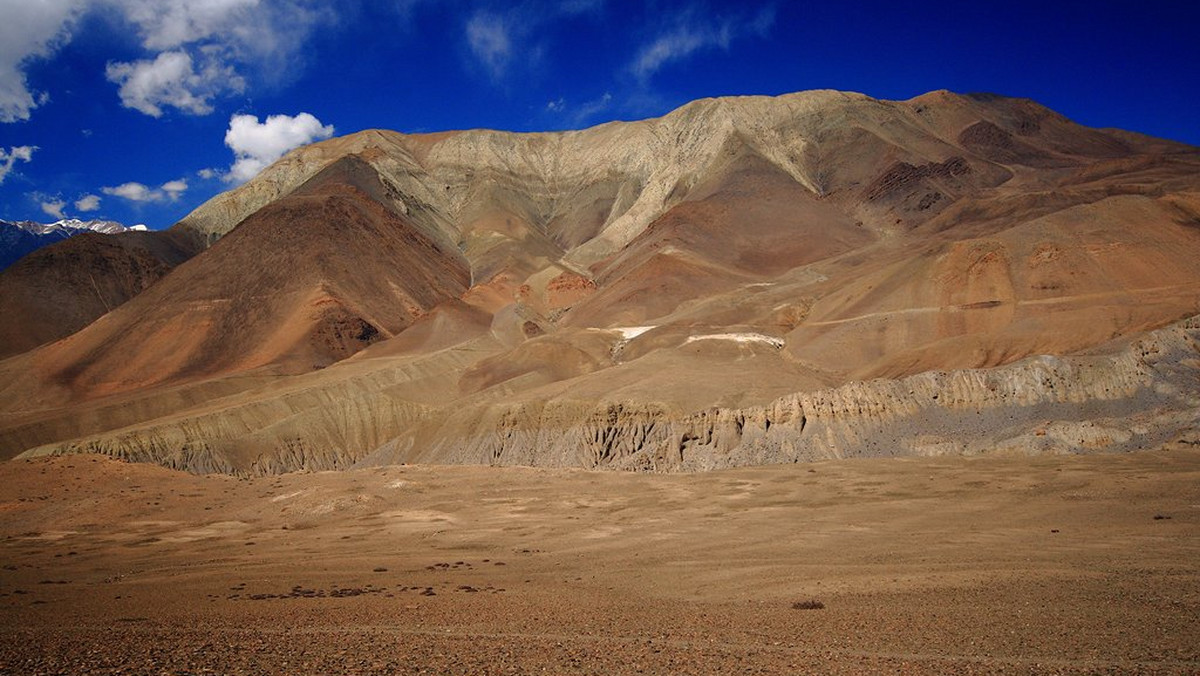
(57, 290)
(304, 282)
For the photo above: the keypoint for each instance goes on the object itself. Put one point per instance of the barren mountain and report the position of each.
(61, 288)
(22, 237)
(743, 281)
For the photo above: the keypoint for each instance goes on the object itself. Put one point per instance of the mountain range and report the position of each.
(21, 237)
(744, 280)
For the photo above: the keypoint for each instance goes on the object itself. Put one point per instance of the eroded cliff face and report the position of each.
(1135, 398)
(297, 429)
(1138, 396)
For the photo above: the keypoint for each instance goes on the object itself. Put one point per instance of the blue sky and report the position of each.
(139, 110)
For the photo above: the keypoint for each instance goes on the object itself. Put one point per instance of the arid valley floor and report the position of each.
(1051, 564)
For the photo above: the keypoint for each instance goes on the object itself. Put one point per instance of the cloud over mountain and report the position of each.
(140, 192)
(256, 144)
(693, 33)
(88, 203)
(54, 207)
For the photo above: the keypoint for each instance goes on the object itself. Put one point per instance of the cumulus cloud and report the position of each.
(257, 144)
(13, 155)
(267, 35)
(88, 203)
(134, 192)
(140, 192)
(226, 38)
(30, 30)
(167, 24)
(54, 207)
(175, 188)
(196, 49)
(207, 174)
(691, 34)
(172, 80)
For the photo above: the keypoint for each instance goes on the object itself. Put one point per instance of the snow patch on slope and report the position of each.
(743, 338)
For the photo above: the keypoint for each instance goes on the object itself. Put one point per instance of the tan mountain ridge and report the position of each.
(745, 280)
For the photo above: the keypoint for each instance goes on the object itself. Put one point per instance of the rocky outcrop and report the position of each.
(1136, 398)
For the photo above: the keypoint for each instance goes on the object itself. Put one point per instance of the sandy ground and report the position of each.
(989, 565)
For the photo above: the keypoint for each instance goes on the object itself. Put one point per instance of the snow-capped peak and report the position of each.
(73, 226)
(23, 237)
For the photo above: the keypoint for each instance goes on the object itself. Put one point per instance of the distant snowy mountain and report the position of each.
(22, 237)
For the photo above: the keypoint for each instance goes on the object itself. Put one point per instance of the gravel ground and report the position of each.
(995, 565)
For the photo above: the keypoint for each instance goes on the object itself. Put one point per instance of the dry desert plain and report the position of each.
(1051, 564)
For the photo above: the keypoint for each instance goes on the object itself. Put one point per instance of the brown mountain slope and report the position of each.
(57, 290)
(304, 282)
(657, 294)
(748, 222)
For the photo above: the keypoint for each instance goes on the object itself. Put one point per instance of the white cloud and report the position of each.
(556, 106)
(11, 156)
(171, 80)
(691, 35)
(29, 30)
(175, 188)
(167, 24)
(265, 37)
(207, 174)
(223, 39)
(134, 192)
(54, 207)
(140, 192)
(257, 144)
(489, 39)
(88, 203)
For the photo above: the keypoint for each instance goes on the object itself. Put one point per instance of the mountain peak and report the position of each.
(68, 224)
(18, 238)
